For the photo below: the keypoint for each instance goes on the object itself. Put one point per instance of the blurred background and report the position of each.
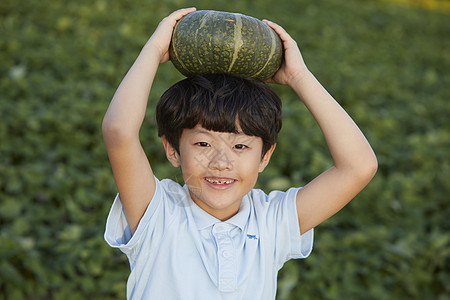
(386, 62)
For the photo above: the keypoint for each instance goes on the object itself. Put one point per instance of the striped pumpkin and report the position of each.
(208, 41)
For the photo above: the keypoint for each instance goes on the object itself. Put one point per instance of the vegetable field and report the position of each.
(388, 64)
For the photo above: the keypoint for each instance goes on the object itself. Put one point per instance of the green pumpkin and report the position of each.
(207, 41)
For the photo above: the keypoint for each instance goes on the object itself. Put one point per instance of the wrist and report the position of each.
(152, 49)
(298, 77)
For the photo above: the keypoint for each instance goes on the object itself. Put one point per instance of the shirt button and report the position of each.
(226, 254)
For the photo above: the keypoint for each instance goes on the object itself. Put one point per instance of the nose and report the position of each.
(220, 160)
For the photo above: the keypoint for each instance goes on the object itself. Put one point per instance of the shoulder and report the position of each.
(165, 207)
(259, 197)
(276, 216)
(169, 185)
(171, 192)
(274, 205)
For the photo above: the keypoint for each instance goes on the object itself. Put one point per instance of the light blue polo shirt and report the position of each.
(181, 252)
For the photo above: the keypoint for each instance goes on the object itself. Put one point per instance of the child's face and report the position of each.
(219, 168)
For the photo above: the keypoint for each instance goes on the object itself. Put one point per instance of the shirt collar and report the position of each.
(204, 220)
(241, 218)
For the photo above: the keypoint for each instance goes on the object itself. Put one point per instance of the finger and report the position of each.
(288, 41)
(178, 14)
(272, 24)
(278, 29)
(175, 16)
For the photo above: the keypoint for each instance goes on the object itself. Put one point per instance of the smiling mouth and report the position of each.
(220, 181)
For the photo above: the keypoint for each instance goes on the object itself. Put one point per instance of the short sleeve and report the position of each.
(289, 243)
(118, 233)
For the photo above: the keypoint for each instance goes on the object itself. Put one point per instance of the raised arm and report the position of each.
(123, 119)
(355, 163)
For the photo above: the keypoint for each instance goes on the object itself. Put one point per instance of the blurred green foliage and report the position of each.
(388, 65)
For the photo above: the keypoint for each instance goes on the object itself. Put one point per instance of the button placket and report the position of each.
(226, 258)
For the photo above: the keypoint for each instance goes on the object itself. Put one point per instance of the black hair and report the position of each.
(216, 102)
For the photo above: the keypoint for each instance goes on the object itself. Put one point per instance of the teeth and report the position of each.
(219, 181)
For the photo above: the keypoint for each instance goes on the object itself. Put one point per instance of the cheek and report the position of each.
(249, 166)
(191, 166)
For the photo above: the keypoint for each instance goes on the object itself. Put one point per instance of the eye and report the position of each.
(202, 144)
(240, 146)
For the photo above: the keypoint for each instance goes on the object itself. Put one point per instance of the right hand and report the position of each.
(160, 40)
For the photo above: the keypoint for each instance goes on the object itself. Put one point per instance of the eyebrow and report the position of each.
(208, 132)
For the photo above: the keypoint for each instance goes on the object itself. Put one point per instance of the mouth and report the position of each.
(219, 181)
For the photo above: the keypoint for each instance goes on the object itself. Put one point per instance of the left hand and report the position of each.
(293, 66)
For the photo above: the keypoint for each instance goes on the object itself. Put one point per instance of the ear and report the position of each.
(171, 153)
(266, 158)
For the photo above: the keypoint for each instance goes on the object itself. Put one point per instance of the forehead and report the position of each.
(199, 131)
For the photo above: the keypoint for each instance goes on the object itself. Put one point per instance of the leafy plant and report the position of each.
(60, 63)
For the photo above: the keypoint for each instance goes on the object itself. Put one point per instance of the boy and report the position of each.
(217, 237)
